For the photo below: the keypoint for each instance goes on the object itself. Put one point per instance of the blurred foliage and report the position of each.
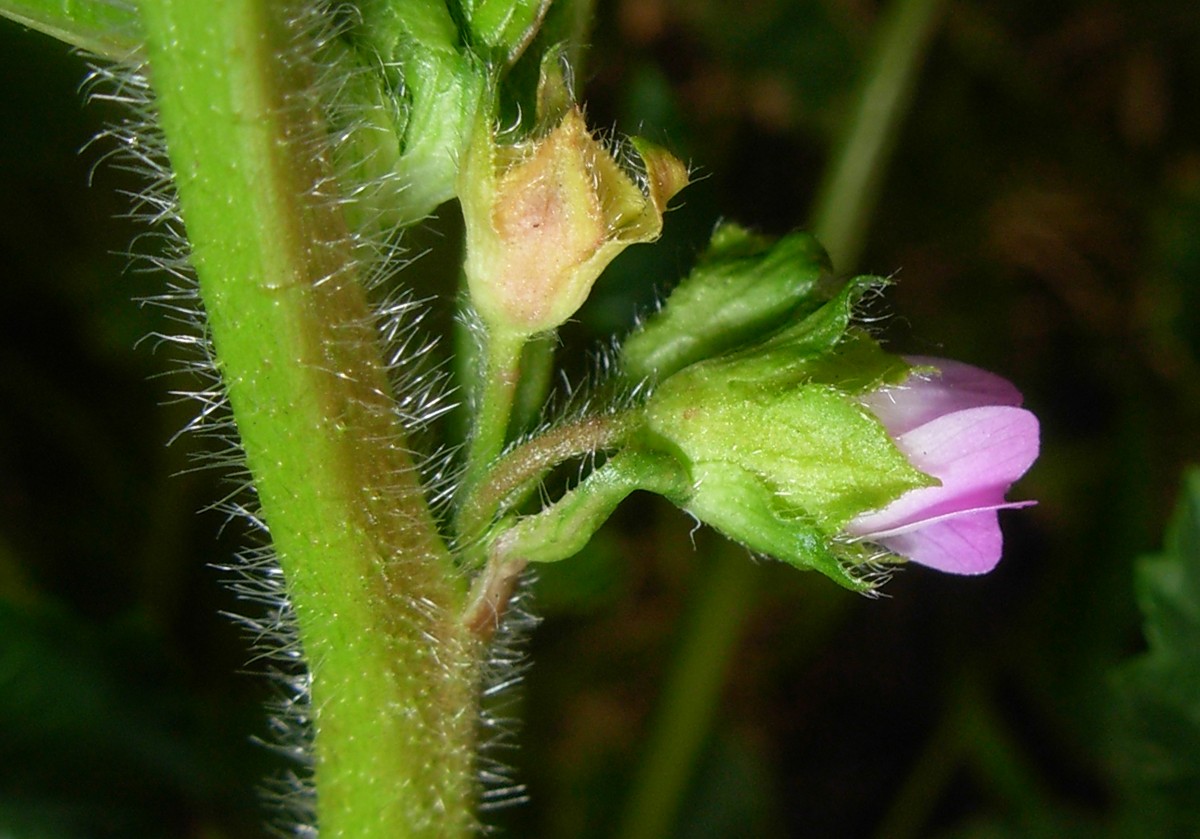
(1159, 747)
(1041, 216)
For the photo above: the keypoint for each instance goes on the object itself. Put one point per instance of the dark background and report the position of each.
(1042, 217)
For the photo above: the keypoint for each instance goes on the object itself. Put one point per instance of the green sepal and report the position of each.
(822, 347)
(369, 153)
(432, 85)
(437, 126)
(554, 93)
(822, 330)
(740, 505)
(544, 216)
(743, 287)
(782, 453)
(507, 26)
(824, 454)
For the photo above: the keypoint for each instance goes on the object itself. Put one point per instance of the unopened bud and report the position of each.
(817, 447)
(800, 430)
(544, 218)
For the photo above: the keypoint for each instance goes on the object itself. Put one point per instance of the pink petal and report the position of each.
(966, 544)
(913, 526)
(976, 454)
(925, 396)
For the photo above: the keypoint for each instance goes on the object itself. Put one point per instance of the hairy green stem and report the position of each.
(370, 581)
(561, 530)
(520, 470)
(497, 388)
(841, 215)
(537, 374)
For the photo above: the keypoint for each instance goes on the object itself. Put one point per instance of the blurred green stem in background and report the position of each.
(850, 189)
(724, 593)
(708, 638)
(970, 731)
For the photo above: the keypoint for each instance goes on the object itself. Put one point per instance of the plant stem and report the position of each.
(521, 469)
(537, 373)
(496, 392)
(370, 581)
(561, 530)
(841, 215)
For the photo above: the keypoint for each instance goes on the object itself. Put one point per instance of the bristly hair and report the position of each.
(136, 144)
(503, 673)
(255, 577)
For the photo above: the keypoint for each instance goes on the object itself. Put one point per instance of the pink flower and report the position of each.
(963, 426)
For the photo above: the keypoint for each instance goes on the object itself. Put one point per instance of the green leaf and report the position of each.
(1159, 692)
(108, 29)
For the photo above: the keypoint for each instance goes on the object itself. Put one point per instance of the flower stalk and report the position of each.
(520, 471)
(492, 416)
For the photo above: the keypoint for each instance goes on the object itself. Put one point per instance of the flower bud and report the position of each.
(817, 447)
(544, 217)
(781, 452)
